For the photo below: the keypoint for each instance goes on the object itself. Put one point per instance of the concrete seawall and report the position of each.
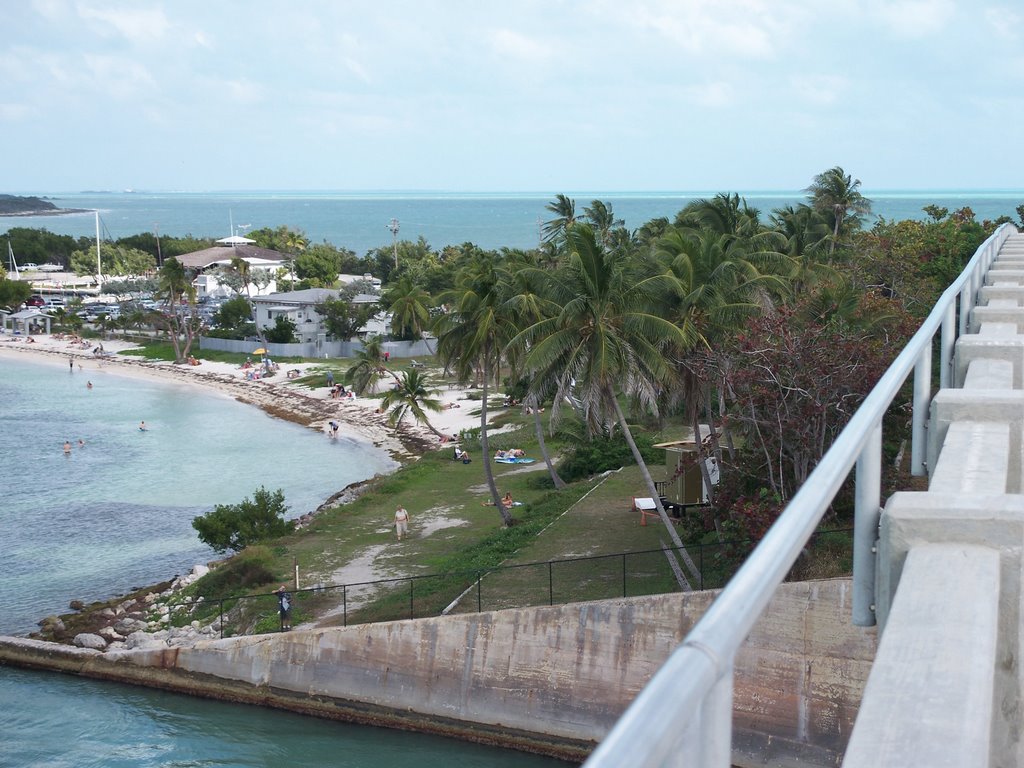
(550, 680)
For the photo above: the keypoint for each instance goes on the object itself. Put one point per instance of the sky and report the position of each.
(463, 95)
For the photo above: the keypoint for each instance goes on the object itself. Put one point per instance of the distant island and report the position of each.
(14, 205)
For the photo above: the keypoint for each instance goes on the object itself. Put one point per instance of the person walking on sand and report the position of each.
(401, 521)
(284, 607)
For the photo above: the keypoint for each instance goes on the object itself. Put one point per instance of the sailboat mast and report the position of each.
(14, 262)
(99, 263)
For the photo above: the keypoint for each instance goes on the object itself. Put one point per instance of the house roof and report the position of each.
(225, 253)
(308, 296)
(28, 314)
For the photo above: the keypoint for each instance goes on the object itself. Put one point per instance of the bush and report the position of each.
(249, 568)
(236, 526)
(604, 453)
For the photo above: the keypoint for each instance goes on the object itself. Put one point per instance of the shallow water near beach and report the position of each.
(117, 513)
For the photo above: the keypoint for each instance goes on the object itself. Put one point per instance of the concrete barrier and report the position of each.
(975, 458)
(935, 660)
(996, 523)
(549, 680)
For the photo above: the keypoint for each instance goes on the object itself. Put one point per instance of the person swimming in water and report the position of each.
(142, 426)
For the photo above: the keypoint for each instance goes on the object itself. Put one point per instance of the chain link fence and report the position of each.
(551, 582)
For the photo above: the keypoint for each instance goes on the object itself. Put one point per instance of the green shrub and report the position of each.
(236, 526)
(603, 453)
(252, 567)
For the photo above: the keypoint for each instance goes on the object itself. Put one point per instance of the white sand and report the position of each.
(277, 395)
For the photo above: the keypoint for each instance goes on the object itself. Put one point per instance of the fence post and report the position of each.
(344, 605)
(946, 343)
(623, 574)
(701, 554)
(479, 609)
(551, 587)
(412, 613)
(867, 496)
(221, 603)
(922, 396)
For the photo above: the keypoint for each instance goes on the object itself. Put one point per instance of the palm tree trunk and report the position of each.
(654, 492)
(506, 514)
(539, 428)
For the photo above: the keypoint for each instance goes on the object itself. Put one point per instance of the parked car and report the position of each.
(35, 301)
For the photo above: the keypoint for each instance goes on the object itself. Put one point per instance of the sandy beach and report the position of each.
(279, 396)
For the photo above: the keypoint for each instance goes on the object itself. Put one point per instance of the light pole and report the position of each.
(393, 226)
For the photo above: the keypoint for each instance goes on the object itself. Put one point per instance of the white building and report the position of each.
(300, 308)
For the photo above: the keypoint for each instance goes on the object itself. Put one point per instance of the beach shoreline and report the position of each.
(278, 397)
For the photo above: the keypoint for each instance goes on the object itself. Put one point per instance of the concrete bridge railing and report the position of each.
(683, 717)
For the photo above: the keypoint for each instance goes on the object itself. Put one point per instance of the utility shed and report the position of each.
(684, 483)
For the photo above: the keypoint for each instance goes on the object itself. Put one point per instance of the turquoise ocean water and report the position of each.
(116, 514)
(359, 220)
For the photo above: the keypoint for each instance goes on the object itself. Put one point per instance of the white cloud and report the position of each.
(1003, 21)
(746, 28)
(52, 10)
(819, 90)
(120, 77)
(10, 113)
(718, 94)
(514, 45)
(914, 19)
(357, 69)
(138, 25)
(202, 40)
(242, 91)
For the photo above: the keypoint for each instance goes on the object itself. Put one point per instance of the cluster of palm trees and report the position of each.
(604, 322)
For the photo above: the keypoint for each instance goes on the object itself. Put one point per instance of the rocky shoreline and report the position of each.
(143, 617)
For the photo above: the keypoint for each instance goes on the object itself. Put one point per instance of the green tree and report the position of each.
(471, 336)
(283, 331)
(234, 314)
(180, 311)
(412, 396)
(342, 318)
(837, 194)
(368, 368)
(410, 309)
(235, 526)
(317, 268)
(564, 209)
(606, 340)
(13, 293)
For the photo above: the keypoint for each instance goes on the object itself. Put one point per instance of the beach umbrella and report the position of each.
(260, 351)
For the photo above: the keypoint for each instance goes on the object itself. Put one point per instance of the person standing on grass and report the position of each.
(284, 607)
(401, 521)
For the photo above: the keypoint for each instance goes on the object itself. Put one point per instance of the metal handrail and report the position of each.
(684, 714)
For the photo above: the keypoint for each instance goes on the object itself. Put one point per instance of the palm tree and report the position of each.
(471, 336)
(410, 308)
(241, 266)
(837, 194)
(805, 233)
(412, 394)
(600, 216)
(527, 304)
(369, 368)
(564, 209)
(718, 287)
(606, 339)
(725, 214)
